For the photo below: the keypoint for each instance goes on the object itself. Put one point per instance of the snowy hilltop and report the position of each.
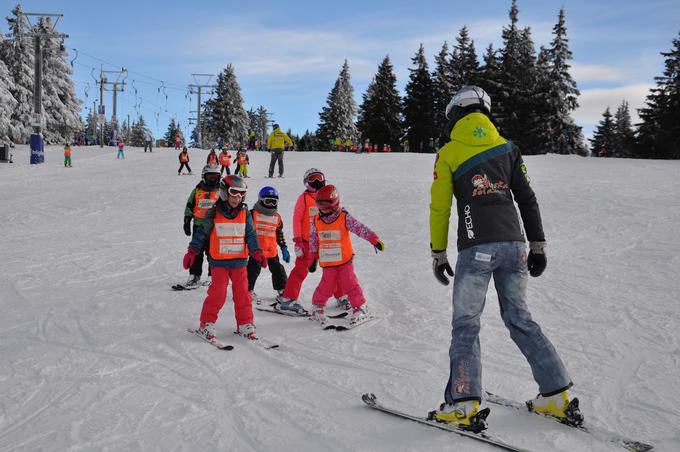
(95, 354)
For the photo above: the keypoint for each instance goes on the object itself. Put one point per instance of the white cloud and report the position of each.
(593, 102)
(586, 73)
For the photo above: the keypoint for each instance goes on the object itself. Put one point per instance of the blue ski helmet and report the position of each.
(268, 197)
(268, 192)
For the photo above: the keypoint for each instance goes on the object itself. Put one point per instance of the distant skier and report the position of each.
(121, 149)
(225, 161)
(486, 173)
(228, 228)
(330, 243)
(303, 216)
(178, 141)
(148, 141)
(212, 158)
(276, 143)
(269, 227)
(242, 161)
(184, 161)
(201, 199)
(67, 156)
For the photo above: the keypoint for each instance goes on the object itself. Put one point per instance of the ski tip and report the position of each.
(369, 398)
(227, 347)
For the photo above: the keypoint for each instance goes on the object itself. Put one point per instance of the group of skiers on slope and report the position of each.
(240, 242)
(277, 142)
(222, 160)
(487, 175)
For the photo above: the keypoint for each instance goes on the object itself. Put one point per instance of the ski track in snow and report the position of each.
(95, 356)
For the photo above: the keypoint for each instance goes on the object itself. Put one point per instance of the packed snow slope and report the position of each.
(95, 355)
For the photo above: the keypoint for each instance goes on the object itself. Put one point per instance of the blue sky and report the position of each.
(288, 54)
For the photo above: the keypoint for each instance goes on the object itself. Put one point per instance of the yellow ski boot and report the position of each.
(558, 406)
(463, 415)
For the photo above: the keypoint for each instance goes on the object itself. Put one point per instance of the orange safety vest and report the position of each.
(335, 246)
(212, 159)
(225, 159)
(203, 201)
(67, 153)
(183, 157)
(242, 158)
(266, 226)
(311, 210)
(228, 237)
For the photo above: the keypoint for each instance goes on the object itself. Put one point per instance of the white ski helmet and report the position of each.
(211, 175)
(314, 179)
(468, 96)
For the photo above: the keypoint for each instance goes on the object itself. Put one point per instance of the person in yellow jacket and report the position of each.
(276, 143)
(487, 176)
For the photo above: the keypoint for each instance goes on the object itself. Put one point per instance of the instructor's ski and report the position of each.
(371, 400)
(599, 433)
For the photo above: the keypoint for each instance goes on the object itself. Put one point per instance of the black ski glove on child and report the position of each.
(187, 225)
(536, 261)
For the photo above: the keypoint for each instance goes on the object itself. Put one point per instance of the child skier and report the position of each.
(184, 161)
(228, 226)
(303, 216)
(269, 229)
(243, 161)
(330, 243)
(225, 161)
(212, 158)
(121, 149)
(67, 156)
(201, 199)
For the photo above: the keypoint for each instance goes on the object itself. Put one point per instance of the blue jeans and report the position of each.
(506, 261)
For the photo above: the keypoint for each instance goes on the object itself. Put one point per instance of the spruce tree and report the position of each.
(336, 120)
(18, 56)
(419, 106)
(380, 112)
(602, 143)
(566, 136)
(624, 137)
(172, 132)
(488, 77)
(464, 63)
(91, 127)
(442, 91)
(61, 106)
(137, 133)
(7, 101)
(659, 132)
(228, 119)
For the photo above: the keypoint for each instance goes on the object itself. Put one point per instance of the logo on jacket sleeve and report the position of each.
(468, 222)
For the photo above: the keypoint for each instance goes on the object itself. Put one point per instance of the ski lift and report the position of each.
(75, 57)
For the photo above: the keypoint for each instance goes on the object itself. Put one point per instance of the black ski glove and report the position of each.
(187, 225)
(440, 264)
(312, 268)
(536, 261)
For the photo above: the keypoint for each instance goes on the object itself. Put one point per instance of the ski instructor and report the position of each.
(485, 172)
(276, 142)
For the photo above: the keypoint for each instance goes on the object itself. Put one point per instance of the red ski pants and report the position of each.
(343, 276)
(299, 273)
(217, 295)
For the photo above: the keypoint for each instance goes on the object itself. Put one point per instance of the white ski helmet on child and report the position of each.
(466, 97)
(211, 175)
(314, 179)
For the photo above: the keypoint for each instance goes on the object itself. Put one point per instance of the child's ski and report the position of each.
(214, 342)
(259, 342)
(184, 287)
(270, 307)
(371, 400)
(601, 434)
(344, 325)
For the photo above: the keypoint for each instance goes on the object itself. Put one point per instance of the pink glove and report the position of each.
(299, 246)
(258, 255)
(189, 258)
